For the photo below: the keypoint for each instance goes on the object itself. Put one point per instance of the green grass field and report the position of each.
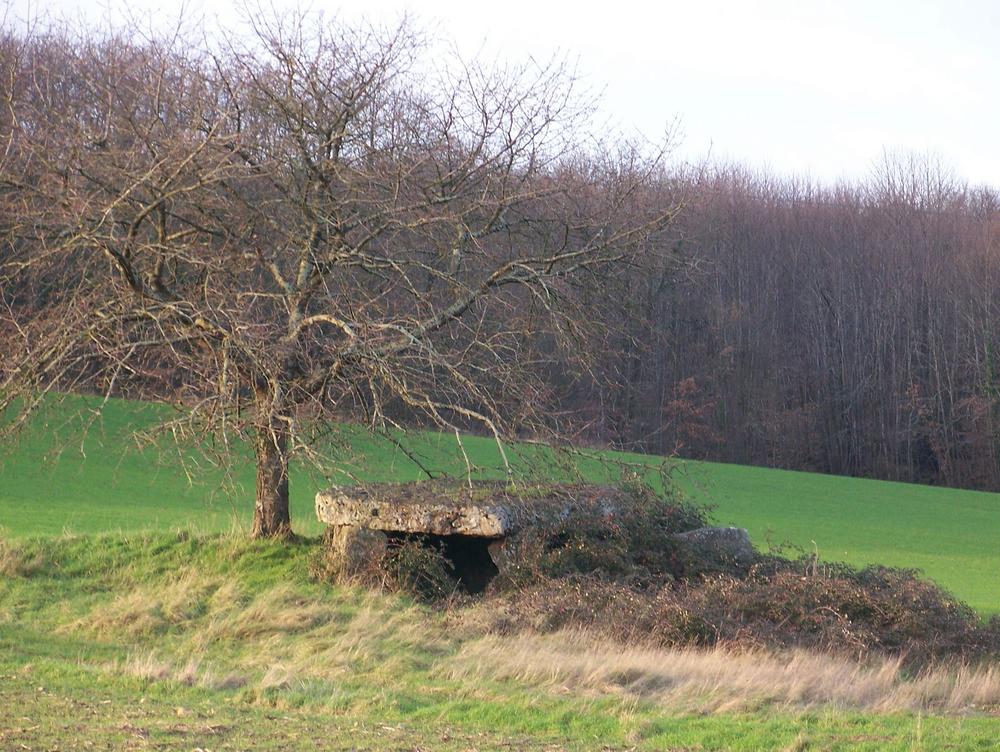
(134, 614)
(50, 483)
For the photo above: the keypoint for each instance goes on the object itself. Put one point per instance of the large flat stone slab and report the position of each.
(487, 510)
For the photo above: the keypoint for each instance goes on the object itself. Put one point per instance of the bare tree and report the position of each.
(315, 224)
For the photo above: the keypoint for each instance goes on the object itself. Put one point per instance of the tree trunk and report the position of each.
(271, 515)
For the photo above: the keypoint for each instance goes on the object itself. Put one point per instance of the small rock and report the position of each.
(727, 543)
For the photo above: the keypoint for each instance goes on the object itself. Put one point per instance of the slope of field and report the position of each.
(178, 642)
(51, 482)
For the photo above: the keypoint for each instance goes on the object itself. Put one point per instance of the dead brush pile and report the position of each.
(856, 613)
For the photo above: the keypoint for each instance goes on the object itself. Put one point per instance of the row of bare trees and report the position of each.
(849, 329)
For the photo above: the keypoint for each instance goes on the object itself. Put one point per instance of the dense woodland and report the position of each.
(848, 329)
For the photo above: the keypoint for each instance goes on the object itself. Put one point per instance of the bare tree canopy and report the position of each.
(313, 224)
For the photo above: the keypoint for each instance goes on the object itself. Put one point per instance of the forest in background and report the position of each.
(847, 329)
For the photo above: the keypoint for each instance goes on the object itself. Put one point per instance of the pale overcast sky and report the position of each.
(817, 88)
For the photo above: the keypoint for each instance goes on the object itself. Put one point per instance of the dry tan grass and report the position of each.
(151, 666)
(376, 638)
(279, 610)
(718, 680)
(15, 562)
(153, 608)
(284, 638)
(277, 640)
(278, 676)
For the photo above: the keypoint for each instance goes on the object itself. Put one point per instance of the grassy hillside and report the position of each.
(51, 483)
(172, 641)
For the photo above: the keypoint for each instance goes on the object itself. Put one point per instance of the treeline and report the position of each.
(848, 329)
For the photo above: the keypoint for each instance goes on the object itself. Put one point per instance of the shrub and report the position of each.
(413, 566)
(634, 544)
(628, 577)
(877, 609)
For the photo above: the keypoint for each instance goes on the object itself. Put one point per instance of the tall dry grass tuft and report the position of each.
(16, 562)
(722, 680)
(275, 639)
(150, 666)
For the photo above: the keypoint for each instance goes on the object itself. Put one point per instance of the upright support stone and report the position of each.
(357, 548)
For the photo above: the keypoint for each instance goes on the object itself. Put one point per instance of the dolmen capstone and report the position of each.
(476, 527)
